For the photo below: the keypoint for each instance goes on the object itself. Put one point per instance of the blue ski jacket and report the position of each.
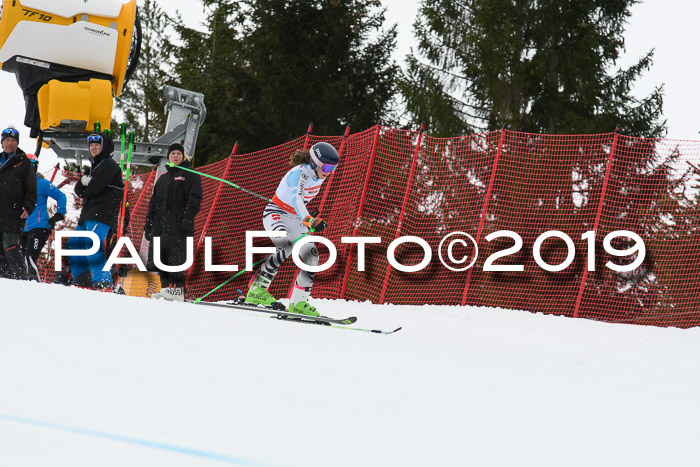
(39, 218)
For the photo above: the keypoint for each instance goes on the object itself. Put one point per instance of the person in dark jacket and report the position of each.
(39, 224)
(176, 200)
(17, 201)
(102, 192)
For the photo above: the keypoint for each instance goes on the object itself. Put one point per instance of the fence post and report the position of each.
(53, 175)
(330, 178)
(482, 219)
(359, 211)
(308, 135)
(145, 189)
(202, 235)
(151, 176)
(596, 224)
(403, 207)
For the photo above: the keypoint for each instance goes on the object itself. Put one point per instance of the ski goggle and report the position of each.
(328, 168)
(10, 132)
(94, 139)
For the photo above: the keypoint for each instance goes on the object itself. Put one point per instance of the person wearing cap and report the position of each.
(287, 212)
(102, 192)
(176, 200)
(39, 223)
(17, 201)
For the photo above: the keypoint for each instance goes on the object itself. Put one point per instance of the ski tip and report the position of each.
(379, 331)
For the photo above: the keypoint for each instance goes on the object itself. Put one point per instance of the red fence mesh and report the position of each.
(404, 183)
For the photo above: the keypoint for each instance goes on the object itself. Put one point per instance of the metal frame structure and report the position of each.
(186, 113)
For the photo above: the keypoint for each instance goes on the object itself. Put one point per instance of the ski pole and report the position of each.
(224, 283)
(219, 180)
(244, 270)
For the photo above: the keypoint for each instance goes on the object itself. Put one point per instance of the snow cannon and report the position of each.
(70, 57)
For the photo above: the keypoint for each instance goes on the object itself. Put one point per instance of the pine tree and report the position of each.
(269, 67)
(142, 101)
(210, 62)
(535, 66)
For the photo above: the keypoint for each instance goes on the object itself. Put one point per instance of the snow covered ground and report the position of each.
(91, 379)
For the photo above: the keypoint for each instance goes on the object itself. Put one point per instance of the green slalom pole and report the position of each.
(125, 202)
(123, 138)
(246, 191)
(131, 151)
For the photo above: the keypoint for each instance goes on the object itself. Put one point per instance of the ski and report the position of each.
(280, 313)
(284, 315)
(374, 331)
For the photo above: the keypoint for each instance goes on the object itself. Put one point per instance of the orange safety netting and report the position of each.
(393, 183)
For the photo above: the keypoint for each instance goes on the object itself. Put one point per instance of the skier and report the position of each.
(39, 224)
(17, 201)
(176, 200)
(287, 212)
(102, 191)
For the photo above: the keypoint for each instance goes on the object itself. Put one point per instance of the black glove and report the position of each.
(315, 223)
(187, 227)
(55, 218)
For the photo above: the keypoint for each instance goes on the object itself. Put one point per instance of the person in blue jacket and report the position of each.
(39, 224)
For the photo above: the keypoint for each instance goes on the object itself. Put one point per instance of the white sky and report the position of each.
(669, 26)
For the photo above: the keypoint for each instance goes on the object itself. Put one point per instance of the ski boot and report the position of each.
(258, 294)
(298, 302)
(103, 287)
(172, 293)
(303, 308)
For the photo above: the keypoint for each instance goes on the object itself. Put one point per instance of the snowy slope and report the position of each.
(91, 379)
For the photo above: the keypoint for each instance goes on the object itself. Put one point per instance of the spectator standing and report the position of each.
(39, 224)
(176, 200)
(102, 192)
(17, 201)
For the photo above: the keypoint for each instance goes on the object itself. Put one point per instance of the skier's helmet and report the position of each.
(33, 159)
(323, 155)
